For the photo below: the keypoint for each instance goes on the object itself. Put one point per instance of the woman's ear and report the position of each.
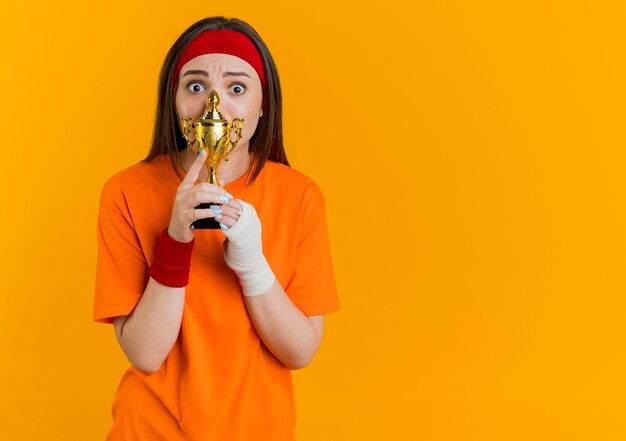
(261, 114)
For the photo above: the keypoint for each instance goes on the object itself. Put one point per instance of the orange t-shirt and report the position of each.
(219, 381)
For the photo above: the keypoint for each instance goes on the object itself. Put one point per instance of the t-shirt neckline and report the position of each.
(234, 187)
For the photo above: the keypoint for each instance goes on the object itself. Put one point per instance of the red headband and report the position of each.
(222, 42)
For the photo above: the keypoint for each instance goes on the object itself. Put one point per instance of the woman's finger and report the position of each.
(203, 197)
(203, 213)
(231, 213)
(206, 186)
(194, 171)
(188, 217)
(235, 204)
(226, 220)
(228, 210)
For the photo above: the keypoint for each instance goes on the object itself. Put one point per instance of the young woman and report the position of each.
(213, 321)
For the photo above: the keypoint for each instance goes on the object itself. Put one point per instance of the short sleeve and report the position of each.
(312, 286)
(121, 269)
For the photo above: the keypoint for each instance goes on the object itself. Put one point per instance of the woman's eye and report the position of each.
(195, 87)
(237, 89)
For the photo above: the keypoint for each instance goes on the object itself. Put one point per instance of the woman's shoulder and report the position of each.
(139, 178)
(289, 180)
(139, 172)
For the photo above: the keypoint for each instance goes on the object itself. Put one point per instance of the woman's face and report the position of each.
(235, 81)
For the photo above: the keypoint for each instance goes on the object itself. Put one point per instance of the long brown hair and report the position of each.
(267, 141)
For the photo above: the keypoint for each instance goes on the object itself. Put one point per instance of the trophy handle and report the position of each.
(187, 126)
(237, 126)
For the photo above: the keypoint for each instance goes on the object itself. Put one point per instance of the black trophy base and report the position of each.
(205, 224)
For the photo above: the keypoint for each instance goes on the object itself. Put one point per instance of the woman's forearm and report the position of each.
(148, 333)
(290, 335)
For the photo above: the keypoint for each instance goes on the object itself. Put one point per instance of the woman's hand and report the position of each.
(189, 196)
(231, 212)
(243, 252)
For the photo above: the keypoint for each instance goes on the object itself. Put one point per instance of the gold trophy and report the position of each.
(213, 133)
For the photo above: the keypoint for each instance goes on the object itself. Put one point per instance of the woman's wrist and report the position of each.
(257, 280)
(243, 253)
(183, 238)
(172, 261)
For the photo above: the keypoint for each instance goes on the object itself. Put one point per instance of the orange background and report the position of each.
(472, 156)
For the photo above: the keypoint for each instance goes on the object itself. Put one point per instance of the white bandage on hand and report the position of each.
(243, 252)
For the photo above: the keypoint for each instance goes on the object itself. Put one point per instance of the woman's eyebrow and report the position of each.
(235, 74)
(196, 72)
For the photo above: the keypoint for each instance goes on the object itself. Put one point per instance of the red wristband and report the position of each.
(172, 260)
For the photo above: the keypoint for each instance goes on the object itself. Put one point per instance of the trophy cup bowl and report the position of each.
(212, 132)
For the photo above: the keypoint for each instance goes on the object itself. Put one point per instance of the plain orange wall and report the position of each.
(472, 155)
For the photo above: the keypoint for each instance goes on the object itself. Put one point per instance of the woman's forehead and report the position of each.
(217, 62)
